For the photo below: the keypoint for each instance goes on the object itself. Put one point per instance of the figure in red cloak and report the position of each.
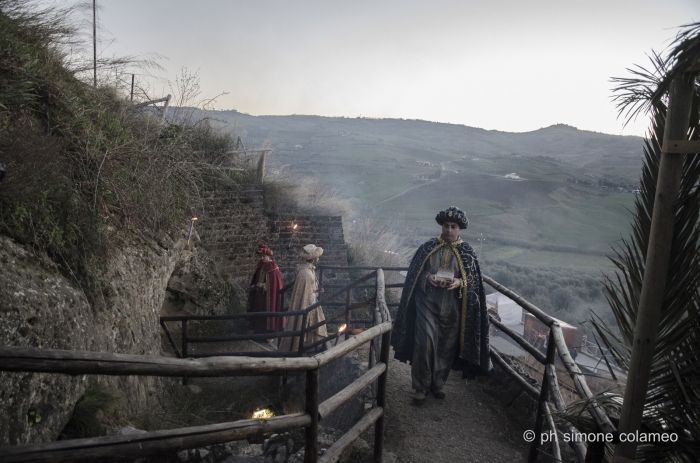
(264, 294)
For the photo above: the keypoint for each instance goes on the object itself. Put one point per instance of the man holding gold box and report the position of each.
(442, 321)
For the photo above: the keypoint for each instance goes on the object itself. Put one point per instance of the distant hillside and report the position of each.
(597, 152)
(567, 203)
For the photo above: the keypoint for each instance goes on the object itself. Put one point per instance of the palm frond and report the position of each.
(672, 404)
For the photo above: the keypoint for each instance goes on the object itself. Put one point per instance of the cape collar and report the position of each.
(453, 244)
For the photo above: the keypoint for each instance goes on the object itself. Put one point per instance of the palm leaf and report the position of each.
(673, 397)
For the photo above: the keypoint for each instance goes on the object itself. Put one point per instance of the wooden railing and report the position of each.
(136, 445)
(28, 359)
(329, 301)
(550, 384)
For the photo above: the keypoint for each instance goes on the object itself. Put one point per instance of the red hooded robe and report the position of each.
(266, 299)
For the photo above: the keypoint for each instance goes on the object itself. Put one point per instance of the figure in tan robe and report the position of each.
(305, 294)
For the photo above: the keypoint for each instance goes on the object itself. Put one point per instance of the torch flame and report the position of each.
(194, 218)
(264, 413)
(342, 328)
(295, 226)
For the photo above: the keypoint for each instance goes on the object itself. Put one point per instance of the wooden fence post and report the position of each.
(311, 449)
(544, 393)
(656, 266)
(381, 399)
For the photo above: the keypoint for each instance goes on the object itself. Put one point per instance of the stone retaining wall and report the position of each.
(233, 222)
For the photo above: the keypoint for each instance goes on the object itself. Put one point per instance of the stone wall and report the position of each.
(233, 222)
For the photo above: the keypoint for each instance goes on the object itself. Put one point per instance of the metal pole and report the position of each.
(544, 393)
(132, 86)
(348, 300)
(381, 399)
(656, 266)
(311, 451)
(94, 40)
(303, 334)
(184, 347)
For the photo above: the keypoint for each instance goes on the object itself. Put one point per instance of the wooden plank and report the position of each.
(342, 397)
(542, 401)
(311, 434)
(542, 316)
(579, 448)
(379, 429)
(266, 353)
(556, 451)
(527, 387)
(681, 146)
(582, 388)
(82, 362)
(149, 443)
(519, 339)
(352, 343)
(334, 452)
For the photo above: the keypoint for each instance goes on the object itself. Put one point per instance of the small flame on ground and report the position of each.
(342, 328)
(264, 413)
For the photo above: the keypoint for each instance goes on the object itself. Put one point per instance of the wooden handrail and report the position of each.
(550, 385)
(532, 350)
(36, 359)
(342, 397)
(137, 445)
(601, 419)
(541, 315)
(149, 443)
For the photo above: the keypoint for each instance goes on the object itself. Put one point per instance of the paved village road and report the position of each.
(469, 425)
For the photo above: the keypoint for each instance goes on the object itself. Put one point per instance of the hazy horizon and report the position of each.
(505, 66)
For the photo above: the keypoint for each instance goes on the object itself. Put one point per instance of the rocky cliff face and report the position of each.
(39, 307)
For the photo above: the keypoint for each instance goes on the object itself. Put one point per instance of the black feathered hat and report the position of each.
(453, 214)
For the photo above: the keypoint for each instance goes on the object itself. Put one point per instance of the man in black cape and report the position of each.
(442, 321)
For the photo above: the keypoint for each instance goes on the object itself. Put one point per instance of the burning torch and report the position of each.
(189, 235)
(340, 331)
(294, 229)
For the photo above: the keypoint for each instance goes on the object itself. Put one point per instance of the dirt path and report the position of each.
(469, 425)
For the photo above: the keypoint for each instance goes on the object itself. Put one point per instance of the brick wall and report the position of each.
(233, 223)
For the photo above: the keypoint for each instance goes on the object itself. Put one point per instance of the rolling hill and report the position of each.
(566, 205)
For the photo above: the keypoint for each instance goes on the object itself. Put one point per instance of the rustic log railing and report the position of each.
(550, 385)
(29, 359)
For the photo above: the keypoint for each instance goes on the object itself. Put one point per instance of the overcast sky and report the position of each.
(506, 65)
